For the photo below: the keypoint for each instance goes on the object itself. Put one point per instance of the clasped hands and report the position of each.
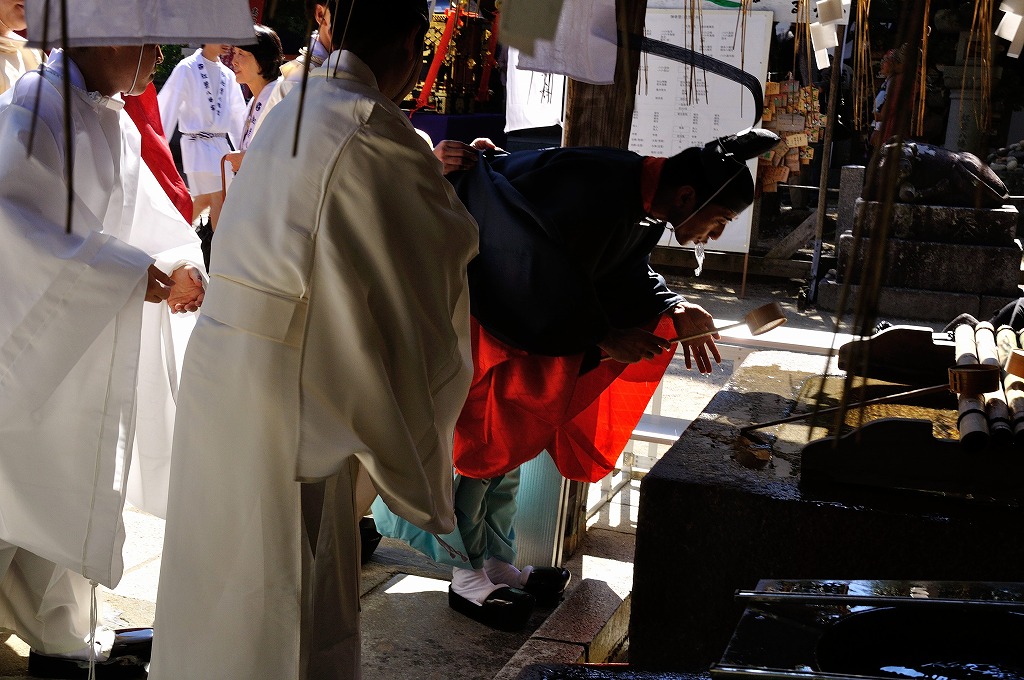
(183, 289)
(630, 345)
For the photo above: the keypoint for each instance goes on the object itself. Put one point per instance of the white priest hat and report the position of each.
(138, 22)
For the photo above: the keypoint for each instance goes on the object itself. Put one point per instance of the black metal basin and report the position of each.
(926, 641)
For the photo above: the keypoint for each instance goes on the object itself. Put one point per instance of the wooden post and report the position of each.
(826, 159)
(601, 115)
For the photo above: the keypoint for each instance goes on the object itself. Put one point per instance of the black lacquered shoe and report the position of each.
(547, 584)
(369, 538)
(506, 608)
(128, 658)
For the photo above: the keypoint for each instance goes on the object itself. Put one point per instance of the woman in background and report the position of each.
(256, 66)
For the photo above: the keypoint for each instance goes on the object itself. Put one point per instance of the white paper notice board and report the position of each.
(670, 116)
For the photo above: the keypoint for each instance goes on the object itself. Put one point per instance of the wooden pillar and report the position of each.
(601, 115)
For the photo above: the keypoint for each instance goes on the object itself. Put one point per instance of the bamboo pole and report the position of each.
(826, 160)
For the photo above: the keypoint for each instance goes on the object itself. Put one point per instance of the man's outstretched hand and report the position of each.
(690, 320)
(188, 290)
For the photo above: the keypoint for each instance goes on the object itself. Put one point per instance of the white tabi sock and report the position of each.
(503, 572)
(472, 584)
(104, 641)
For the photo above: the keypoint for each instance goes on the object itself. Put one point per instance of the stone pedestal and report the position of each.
(709, 525)
(962, 131)
(939, 261)
(851, 184)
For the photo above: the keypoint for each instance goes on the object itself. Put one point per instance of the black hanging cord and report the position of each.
(685, 55)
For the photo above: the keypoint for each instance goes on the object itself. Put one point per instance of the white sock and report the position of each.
(503, 572)
(472, 584)
(104, 641)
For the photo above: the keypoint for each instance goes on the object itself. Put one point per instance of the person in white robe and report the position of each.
(202, 99)
(15, 56)
(330, 364)
(84, 362)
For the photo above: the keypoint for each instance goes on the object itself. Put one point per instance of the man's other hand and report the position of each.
(455, 155)
(631, 345)
(158, 287)
(460, 156)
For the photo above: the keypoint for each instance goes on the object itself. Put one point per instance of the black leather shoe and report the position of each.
(505, 609)
(128, 658)
(369, 539)
(547, 584)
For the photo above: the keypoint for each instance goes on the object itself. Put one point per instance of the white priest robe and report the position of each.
(333, 347)
(75, 377)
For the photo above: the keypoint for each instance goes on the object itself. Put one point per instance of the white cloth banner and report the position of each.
(523, 22)
(137, 22)
(532, 99)
(584, 47)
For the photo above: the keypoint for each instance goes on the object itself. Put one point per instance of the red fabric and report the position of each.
(520, 404)
(650, 175)
(256, 9)
(145, 111)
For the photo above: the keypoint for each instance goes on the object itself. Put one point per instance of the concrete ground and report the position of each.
(408, 630)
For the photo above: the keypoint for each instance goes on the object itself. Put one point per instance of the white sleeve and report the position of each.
(60, 290)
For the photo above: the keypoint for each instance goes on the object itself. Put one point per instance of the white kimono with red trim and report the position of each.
(333, 349)
(87, 369)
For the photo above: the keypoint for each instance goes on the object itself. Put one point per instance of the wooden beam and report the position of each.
(794, 240)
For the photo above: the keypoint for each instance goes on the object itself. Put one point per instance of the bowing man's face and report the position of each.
(707, 224)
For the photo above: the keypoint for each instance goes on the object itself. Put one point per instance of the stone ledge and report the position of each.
(592, 624)
(543, 651)
(943, 224)
(593, 616)
(977, 269)
(912, 303)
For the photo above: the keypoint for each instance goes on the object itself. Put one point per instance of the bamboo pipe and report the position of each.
(971, 421)
(996, 409)
(1013, 384)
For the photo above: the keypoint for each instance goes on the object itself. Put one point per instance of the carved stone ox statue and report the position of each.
(930, 175)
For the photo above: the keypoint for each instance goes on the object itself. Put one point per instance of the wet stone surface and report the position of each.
(708, 524)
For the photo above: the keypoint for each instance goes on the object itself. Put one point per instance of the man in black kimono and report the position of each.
(563, 282)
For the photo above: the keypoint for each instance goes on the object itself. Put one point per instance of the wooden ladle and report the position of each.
(758, 321)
